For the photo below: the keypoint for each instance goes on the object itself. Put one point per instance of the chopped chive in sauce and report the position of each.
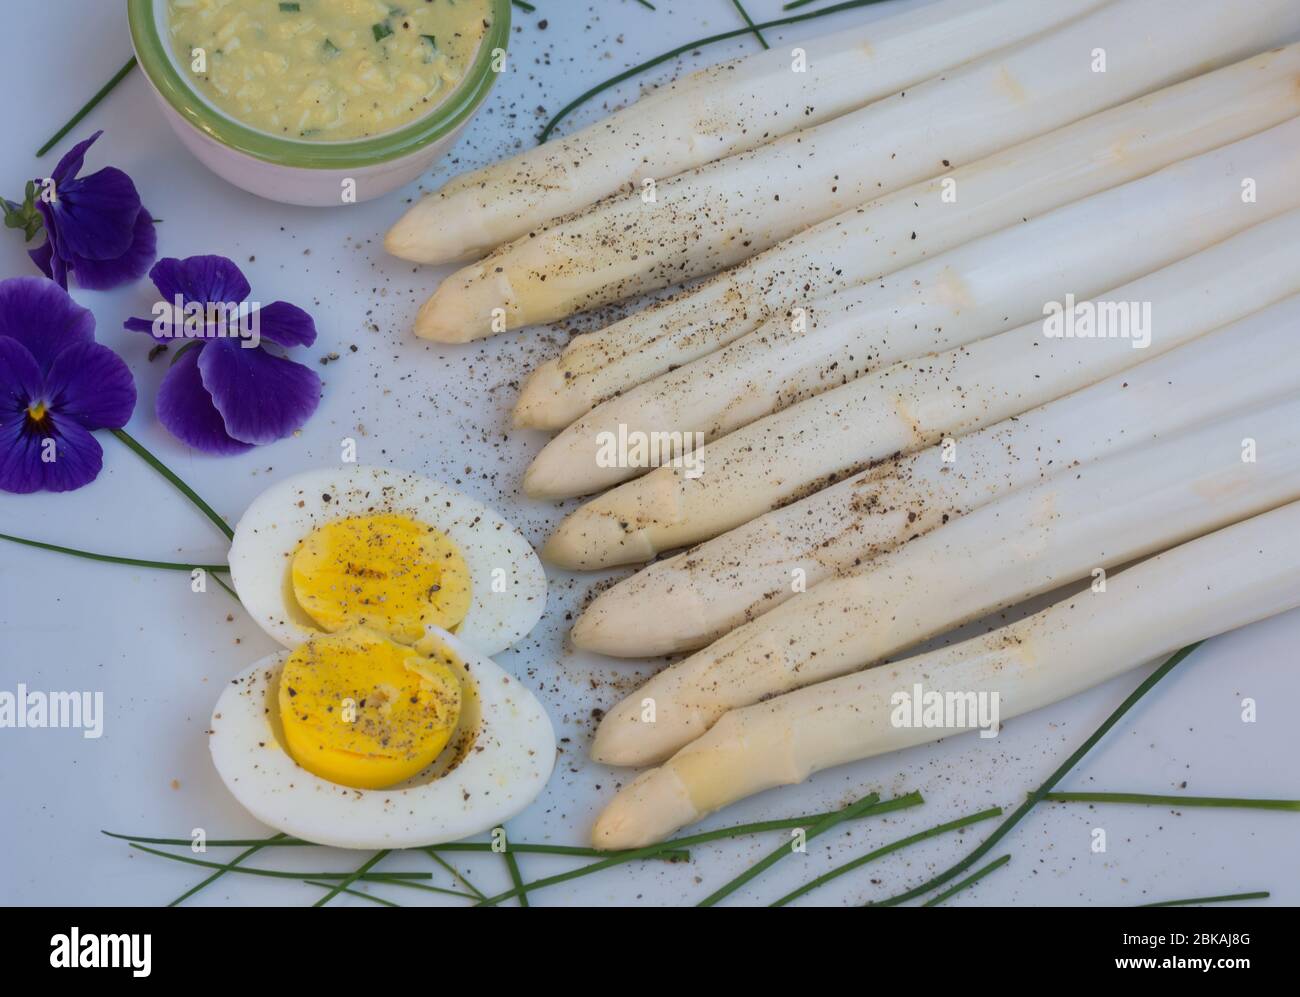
(290, 8)
(431, 39)
(381, 31)
(330, 49)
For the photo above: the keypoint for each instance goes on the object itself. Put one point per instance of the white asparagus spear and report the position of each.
(1227, 579)
(984, 287)
(716, 216)
(716, 112)
(914, 223)
(912, 404)
(687, 601)
(1098, 516)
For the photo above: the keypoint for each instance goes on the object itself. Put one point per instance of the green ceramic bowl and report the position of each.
(298, 171)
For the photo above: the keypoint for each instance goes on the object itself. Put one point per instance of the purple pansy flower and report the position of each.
(225, 392)
(57, 386)
(95, 226)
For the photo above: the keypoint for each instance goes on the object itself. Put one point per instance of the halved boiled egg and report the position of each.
(358, 740)
(357, 546)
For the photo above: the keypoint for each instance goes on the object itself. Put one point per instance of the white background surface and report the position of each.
(160, 653)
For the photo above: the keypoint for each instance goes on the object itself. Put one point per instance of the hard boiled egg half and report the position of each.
(385, 724)
(365, 546)
(357, 741)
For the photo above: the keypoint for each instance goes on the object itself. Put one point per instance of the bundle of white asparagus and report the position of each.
(1011, 305)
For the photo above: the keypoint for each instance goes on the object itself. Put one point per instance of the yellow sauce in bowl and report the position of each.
(326, 70)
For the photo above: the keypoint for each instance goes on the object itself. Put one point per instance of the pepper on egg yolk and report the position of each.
(361, 710)
(385, 571)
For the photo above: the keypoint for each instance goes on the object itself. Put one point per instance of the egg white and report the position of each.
(277, 520)
(476, 785)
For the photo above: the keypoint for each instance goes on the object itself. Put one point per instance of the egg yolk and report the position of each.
(361, 710)
(386, 571)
